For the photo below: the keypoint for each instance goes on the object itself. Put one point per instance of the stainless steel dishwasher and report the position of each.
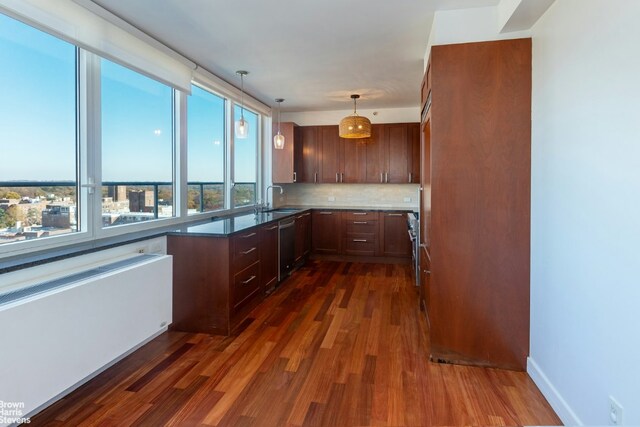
(286, 248)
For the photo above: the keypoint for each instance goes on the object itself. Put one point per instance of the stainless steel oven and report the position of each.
(413, 225)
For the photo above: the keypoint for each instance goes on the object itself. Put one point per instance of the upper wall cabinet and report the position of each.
(390, 155)
(282, 170)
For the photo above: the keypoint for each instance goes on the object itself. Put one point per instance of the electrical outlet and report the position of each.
(331, 198)
(615, 412)
(407, 199)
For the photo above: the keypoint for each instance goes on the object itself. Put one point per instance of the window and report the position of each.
(245, 162)
(137, 147)
(206, 151)
(38, 137)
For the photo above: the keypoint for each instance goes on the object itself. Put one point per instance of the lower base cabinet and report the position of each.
(216, 281)
(362, 234)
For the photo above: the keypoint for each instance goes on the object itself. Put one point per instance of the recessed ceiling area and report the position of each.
(312, 53)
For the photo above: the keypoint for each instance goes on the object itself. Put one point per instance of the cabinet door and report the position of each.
(282, 160)
(414, 151)
(374, 154)
(269, 256)
(396, 150)
(353, 165)
(329, 160)
(395, 237)
(306, 155)
(326, 232)
(303, 236)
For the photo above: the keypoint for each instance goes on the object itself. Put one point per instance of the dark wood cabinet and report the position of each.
(269, 256)
(303, 237)
(326, 232)
(396, 153)
(216, 281)
(414, 153)
(394, 235)
(330, 160)
(390, 155)
(306, 155)
(360, 233)
(478, 134)
(282, 161)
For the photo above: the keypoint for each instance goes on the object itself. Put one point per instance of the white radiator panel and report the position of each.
(53, 341)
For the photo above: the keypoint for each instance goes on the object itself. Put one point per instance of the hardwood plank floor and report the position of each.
(338, 344)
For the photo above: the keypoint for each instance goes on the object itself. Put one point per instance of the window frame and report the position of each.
(89, 159)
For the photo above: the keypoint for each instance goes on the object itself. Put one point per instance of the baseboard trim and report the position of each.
(555, 399)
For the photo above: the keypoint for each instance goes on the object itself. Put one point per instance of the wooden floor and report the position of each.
(339, 344)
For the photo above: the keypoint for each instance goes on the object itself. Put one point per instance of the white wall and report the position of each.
(380, 115)
(585, 231)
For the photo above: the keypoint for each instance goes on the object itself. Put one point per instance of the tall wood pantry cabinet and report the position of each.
(476, 145)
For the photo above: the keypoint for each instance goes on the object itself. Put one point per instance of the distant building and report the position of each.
(59, 216)
(141, 201)
(118, 193)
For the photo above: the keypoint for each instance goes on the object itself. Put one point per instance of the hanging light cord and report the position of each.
(242, 97)
(279, 110)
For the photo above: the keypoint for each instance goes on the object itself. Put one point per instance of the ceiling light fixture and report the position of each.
(355, 126)
(278, 140)
(241, 126)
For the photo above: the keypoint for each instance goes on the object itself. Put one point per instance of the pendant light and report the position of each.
(241, 126)
(278, 140)
(355, 126)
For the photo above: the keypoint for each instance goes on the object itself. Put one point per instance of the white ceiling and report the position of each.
(312, 53)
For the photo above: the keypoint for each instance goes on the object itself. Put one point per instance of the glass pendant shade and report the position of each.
(242, 128)
(355, 126)
(278, 141)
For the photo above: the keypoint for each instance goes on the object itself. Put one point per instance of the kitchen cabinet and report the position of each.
(414, 153)
(360, 233)
(282, 161)
(306, 155)
(268, 256)
(476, 201)
(368, 234)
(303, 237)
(341, 160)
(394, 235)
(390, 155)
(326, 232)
(216, 281)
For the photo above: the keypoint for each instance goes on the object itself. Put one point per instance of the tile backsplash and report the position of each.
(357, 195)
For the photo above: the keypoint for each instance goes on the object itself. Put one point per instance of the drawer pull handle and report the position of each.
(359, 213)
(394, 214)
(272, 228)
(326, 213)
(249, 251)
(360, 240)
(361, 222)
(246, 282)
(247, 236)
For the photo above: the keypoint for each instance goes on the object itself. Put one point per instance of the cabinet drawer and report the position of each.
(361, 226)
(360, 244)
(245, 284)
(245, 250)
(360, 216)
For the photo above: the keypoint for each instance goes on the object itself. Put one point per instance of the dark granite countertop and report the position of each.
(227, 226)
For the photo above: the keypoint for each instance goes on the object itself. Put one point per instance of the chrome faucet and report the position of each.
(266, 194)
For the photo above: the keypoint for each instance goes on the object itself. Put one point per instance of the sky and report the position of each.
(38, 118)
